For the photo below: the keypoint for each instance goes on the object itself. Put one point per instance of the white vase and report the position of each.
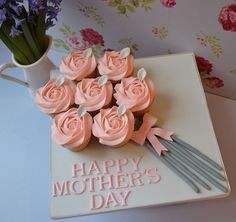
(36, 74)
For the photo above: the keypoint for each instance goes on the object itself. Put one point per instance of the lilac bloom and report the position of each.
(15, 8)
(36, 6)
(55, 2)
(11, 10)
(2, 16)
(14, 32)
(1, 3)
(49, 23)
(52, 12)
(18, 22)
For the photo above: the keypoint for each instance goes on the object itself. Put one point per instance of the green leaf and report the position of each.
(40, 32)
(112, 3)
(147, 8)
(130, 8)
(30, 40)
(57, 40)
(62, 30)
(135, 47)
(67, 29)
(66, 47)
(19, 42)
(122, 9)
(20, 57)
(135, 3)
(57, 45)
(148, 1)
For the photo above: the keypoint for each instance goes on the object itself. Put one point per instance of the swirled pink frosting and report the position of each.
(52, 99)
(70, 130)
(76, 67)
(93, 96)
(111, 129)
(114, 66)
(135, 94)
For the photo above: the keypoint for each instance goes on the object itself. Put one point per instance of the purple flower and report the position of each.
(14, 32)
(1, 3)
(18, 22)
(14, 8)
(52, 8)
(36, 6)
(2, 16)
(52, 12)
(55, 2)
(76, 43)
(14, 12)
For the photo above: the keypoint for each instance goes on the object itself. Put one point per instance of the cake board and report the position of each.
(180, 106)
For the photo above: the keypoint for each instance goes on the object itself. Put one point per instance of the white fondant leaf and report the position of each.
(121, 110)
(81, 111)
(55, 73)
(102, 80)
(124, 53)
(87, 53)
(60, 80)
(141, 74)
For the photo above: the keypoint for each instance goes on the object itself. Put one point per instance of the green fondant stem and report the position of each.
(197, 152)
(192, 165)
(194, 177)
(197, 161)
(174, 169)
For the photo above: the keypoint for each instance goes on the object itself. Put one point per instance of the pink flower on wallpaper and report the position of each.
(227, 18)
(213, 82)
(92, 36)
(202, 41)
(205, 69)
(75, 43)
(168, 3)
(204, 66)
(155, 30)
(108, 50)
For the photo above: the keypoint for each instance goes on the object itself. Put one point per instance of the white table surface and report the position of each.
(24, 163)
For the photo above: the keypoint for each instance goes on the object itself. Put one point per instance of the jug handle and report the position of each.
(10, 78)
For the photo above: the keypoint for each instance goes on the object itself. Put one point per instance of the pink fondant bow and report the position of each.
(147, 132)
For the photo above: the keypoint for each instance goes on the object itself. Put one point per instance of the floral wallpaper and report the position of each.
(157, 27)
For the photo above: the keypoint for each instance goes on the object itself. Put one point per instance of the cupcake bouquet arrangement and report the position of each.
(107, 99)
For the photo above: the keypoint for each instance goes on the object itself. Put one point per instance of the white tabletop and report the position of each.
(24, 163)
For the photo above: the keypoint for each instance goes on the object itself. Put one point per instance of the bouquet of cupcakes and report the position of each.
(106, 98)
(98, 98)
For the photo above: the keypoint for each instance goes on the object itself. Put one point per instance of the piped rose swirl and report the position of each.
(76, 66)
(137, 95)
(53, 99)
(115, 66)
(112, 129)
(94, 96)
(72, 131)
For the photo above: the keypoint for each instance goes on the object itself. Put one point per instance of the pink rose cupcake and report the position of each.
(53, 99)
(79, 65)
(116, 65)
(137, 95)
(72, 131)
(93, 94)
(113, 129)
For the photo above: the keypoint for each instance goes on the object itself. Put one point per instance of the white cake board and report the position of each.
(180, 106)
